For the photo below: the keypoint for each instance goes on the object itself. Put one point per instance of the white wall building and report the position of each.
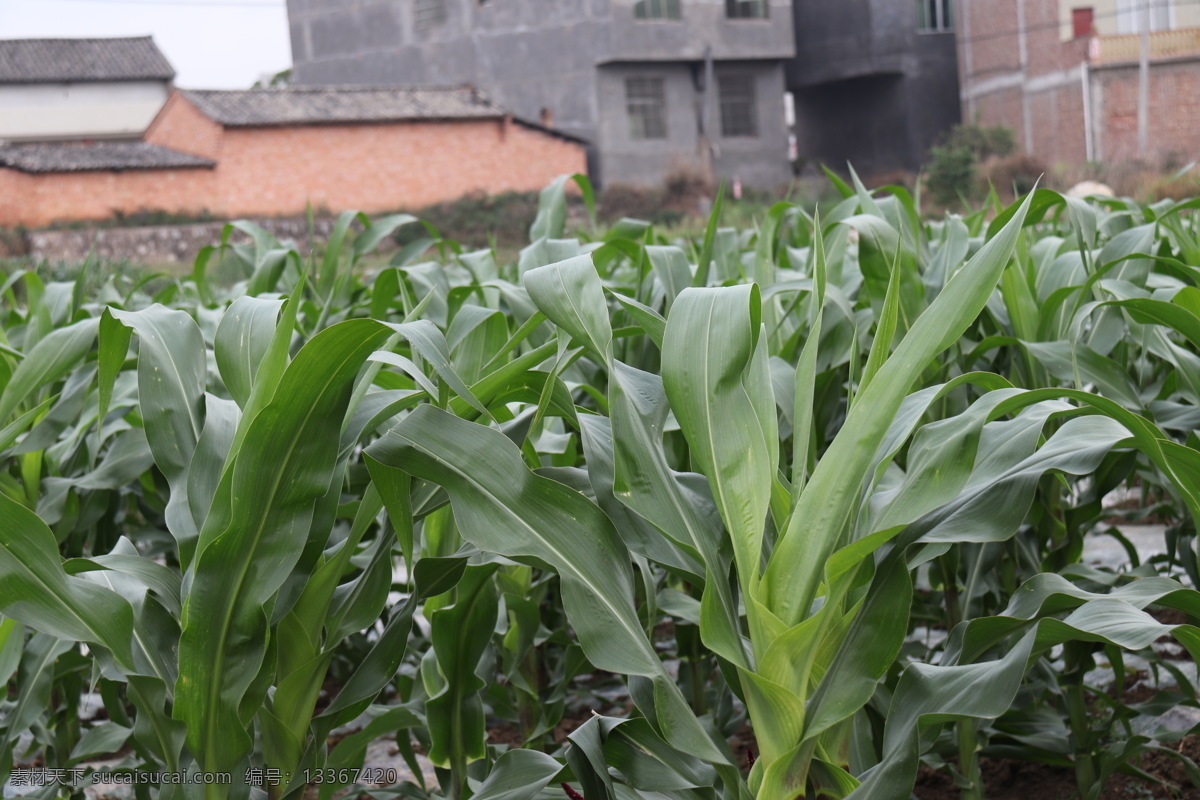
(71, 89)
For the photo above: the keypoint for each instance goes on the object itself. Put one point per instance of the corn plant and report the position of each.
(762, 435)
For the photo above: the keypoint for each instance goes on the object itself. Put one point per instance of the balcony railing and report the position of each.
(1163, 44)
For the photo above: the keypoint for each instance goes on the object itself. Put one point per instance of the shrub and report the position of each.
(1016, 174)
(952, 173)
(683, 192)
(477, 218)
(983, 142)
(954, 164)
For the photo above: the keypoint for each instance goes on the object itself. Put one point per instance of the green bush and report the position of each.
(478, 218)
(952, 172)
(954, 164)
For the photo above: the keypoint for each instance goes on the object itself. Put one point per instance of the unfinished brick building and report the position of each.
(1063, 74)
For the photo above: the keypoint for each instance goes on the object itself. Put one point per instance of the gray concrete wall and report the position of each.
(565, 57)
(869, 87)
(528, 56)
(756, 161)
(623, 159)
(702, 24)
(760, 161)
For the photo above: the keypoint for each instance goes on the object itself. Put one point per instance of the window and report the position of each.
(935, 15)
(1129, 15)
(739, 112)
(656, 9)
(429, 13)
(646, 103)
(746, 9)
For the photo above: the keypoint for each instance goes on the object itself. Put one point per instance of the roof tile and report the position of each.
(255, 107)
(71, 60)
(94, 156)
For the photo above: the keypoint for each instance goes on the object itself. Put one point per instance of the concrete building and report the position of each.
(1064, 75)
(874, 82)
(655, 86)
(62, 89)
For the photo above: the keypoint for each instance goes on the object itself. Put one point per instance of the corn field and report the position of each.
(679, 516)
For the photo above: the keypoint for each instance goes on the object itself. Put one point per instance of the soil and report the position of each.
(745, 748)
(508, 734)
(503, 733)
(1171, 616)
(1006, 779)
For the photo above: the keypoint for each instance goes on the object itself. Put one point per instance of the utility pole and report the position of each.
(1143, 111)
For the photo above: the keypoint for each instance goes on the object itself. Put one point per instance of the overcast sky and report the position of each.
(213, 44)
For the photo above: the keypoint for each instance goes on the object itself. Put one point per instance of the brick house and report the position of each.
(1063, 74)
(274, 152)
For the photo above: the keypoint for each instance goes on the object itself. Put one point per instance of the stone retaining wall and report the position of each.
(159, 244)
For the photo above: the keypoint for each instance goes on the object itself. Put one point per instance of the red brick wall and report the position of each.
(279, 170)
(1174, 117)
(993, 43)
(1002, 107)
(96, 195)
(16, 197)
(382, 167)
(180, 126)
(1056, 110)
(1058, 130)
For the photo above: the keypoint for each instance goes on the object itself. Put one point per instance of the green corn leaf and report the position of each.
(518, 775)
(35, 677)
(569, 293)
(717, 380)
(671, 269)
(51, 358)
(247, 550)
(460, 634)
(39, 593)
(825, 509)
(12, 645)
(928, 696)
(645, 483)
(172, 371)
(502, 507)
(242, 339)
(432, 576)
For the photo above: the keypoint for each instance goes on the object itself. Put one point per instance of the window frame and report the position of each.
(646, 108)
(734, 9)
(643, 10)
(942, 13)
(737, 107)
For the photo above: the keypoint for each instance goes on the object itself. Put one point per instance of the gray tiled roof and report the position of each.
(70, 60)
(92, 156)
(256, 107)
